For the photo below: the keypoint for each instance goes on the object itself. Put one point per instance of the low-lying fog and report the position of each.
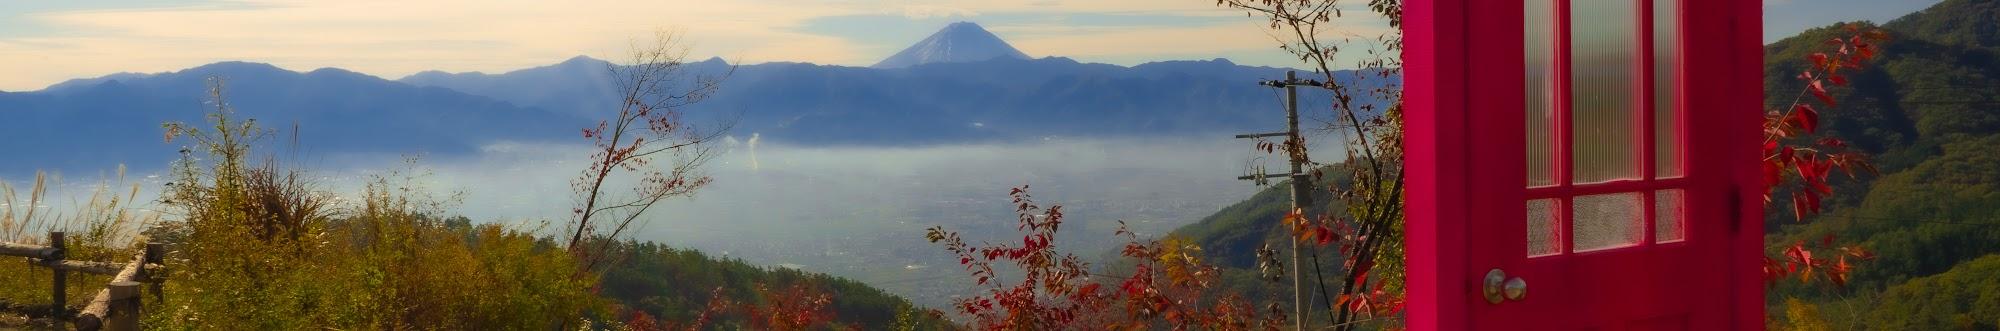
(858, 212)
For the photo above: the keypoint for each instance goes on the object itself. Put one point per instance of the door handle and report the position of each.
(1498, 287)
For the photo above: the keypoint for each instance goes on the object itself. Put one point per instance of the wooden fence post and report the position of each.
(56, 241)
(155, 254)
(124, 314)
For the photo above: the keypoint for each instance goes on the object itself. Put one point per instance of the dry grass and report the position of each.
(101, 227)
(257, 247)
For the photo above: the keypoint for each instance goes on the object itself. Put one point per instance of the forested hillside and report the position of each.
(1929, 113)
(1232, 236)
(674, 284)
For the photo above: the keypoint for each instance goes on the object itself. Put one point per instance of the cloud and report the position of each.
(927, 12)
(877, 200)
(395, 38)
(1202, 41)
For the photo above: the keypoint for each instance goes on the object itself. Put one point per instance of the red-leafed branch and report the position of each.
(1797, 157)
(1056, 291)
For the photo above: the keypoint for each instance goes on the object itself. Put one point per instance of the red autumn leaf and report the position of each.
(1805, 117)
(1819, 91)
(1361, 270)
(1772, 270)
(1839, 277)
(1798, 206)
(1356, 302)
(1800, 254)
(1812, 200)
(1819, 183)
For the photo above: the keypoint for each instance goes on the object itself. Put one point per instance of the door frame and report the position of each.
(1446, 77)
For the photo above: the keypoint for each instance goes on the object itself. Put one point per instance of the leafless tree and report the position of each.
(648, 149)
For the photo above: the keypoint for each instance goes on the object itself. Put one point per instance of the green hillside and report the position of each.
(1929, 112)
(1232, 235)
(1965, 298)
(675, 284)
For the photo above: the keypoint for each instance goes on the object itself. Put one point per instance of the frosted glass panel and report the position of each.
(1606, 221)
(1668, 222)
(1604, 73)
(1542, 228)
(1540, 38)
(1666, 84)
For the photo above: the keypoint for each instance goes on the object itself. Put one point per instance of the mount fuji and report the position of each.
(958, 42)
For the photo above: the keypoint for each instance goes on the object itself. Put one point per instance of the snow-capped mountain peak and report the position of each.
(958, 42)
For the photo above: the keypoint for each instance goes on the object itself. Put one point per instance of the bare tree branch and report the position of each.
(656, 87)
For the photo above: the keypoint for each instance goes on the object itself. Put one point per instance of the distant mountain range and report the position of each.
(1000, 99)
(95, 124)
(943, 97)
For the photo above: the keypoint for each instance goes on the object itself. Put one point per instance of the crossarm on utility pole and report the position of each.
(1263, 135)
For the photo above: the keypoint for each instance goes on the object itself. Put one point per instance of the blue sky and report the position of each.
(1784, 18)
(45, 42)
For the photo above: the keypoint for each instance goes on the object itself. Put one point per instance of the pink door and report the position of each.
(1584, 164)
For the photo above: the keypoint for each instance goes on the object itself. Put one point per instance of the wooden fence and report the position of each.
(116, 307)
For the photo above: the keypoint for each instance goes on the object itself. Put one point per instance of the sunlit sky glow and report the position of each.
(46, 42)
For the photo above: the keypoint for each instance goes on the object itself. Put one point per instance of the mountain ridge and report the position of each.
(929, 104)
(340, 111)
(997, 100)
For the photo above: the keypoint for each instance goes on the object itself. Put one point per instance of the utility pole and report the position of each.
(1301, 186)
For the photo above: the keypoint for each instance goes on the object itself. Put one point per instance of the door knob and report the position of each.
(1498, 287)
(1515, 289)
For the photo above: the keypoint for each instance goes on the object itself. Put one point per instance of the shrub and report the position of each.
(260, 248)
